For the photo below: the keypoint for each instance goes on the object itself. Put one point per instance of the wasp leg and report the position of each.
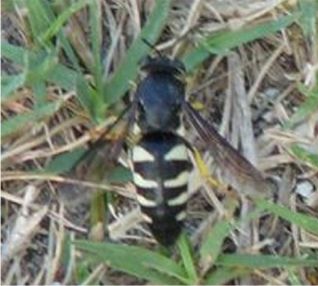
(204, 171)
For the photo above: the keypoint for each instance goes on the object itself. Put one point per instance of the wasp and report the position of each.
(160, 161)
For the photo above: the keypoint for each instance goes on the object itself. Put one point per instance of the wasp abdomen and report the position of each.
(161, 168)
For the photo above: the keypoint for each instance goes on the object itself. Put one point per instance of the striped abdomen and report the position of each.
(160, 169)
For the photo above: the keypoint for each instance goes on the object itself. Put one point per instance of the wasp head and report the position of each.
(163, 64)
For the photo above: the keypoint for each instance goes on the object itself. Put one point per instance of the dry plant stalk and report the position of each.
(25, 226)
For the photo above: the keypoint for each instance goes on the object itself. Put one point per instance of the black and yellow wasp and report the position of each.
(160, 161)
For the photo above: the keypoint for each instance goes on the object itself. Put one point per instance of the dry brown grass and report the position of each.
(249, 93)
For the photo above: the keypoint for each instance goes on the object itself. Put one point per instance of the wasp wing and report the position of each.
(111, 139)
(237, 170)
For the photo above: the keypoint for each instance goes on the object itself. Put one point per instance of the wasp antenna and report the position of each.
(152, 46)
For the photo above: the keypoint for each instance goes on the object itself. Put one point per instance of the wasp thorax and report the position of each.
(159, 97)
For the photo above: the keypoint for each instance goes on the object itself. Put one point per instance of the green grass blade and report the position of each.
(308, 18)
(8, 6)
(64, 162)
(212, 246)
(97, 68)
(224, 274)
(188, 260)
(128, 69)
(96, 39)
(58, 23)
(293, 278)
(55, 29)
(18, 122)
(10, 83)
(14, 53)
(64, 12)
(263, 261)
(36, 68)
(132, 260)
(59, 74)
(119, 175)
(39, 93)
(305, 221)
(167, 271)
(69, 52)
(40, 18)
(222, 42)
(304, 155)
(63, 77)
(84, 93)
(308, 107)
(88, 97)
(39, 66)
(82, 272)
(45, 25)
